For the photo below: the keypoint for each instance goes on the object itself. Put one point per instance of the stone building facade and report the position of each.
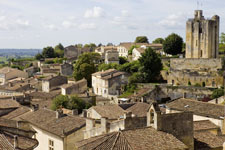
(112, 56)
(78, 87)
(202, 36)
(108, 83)
(52, 82)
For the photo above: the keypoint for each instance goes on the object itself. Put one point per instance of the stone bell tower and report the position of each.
(202, 36)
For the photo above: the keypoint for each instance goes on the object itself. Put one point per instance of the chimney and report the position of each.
(59, 113)
(15, 145)
(34, 107)
(90, 124)
(75, 112)
(105, 125)
(10, 84)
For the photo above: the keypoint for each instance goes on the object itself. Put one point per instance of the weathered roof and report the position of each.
(16, 113)
(8, 103)
(43, 95)
(6, 70)
(49, 78)
(204, 125)
(24, 143)
(198, 108)
(108, 74)
(45, 119)
(9, 129)
(111, 111)
(207, 140)
(139, 109)
(135, 139)
(73, 84)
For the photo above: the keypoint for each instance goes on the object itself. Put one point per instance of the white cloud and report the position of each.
(68, 24)
(11, 23)
(95, 12)
(125, 13)
(174, 21)
(52, 27)
(88, 26)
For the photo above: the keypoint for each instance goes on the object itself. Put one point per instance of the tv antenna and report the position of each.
(199, 5)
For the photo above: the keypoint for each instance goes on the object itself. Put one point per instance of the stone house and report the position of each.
(78, 87)
(53, 82)
(66, 69)
(73, 52)
(201, 110)
(16, 135)
(8, 73)
(111, 111)
(108, 83)
(103, 49)
(50, 69)
(179, 125)
(55, 130)
(111, 56)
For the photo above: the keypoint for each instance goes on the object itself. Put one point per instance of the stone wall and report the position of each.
(180, 125)
(196, 64)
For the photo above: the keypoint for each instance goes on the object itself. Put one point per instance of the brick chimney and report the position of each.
(59, 113)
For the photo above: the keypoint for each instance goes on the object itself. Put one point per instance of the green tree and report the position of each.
(122, 60)
(73, 102)
(141, 39)
(217, 93)
(108, 66)
(85, 66)
(151, 65)
(59, 50)
(130, 51)
(91, 45)
(158, 41)
(60, 101)
(38, 56)
(48, 52)
(130, 67)
(173, 44)
(222, 38)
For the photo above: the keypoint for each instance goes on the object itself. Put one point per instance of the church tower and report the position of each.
(202, 36)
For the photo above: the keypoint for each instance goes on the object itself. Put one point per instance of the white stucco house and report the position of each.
(108, 83)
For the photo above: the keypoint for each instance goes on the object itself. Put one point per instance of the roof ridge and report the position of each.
(117, 136)
(126, 140)
(106, 139)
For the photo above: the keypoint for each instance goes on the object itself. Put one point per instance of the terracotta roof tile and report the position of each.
(46, 119)
(136, 139)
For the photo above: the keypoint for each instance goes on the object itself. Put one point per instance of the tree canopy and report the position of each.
(173, 44)
(85, 66)
(48, 52)
(141, 39)
(59, 50)
(158, 41)
(151, 65)
(217, 93)
(73, 102)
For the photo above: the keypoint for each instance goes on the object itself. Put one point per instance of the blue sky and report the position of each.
(40, 23)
